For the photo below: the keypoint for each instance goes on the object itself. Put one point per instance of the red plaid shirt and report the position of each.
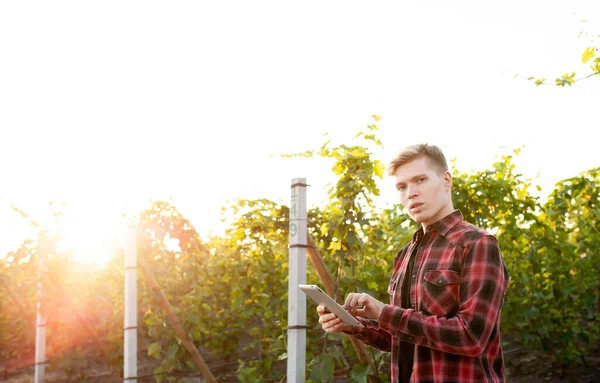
(458, 284)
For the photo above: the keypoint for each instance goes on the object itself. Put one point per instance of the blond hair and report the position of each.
(432, 152)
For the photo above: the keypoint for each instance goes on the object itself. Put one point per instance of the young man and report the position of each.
(447, 287)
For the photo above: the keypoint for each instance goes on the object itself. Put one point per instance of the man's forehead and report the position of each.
(412, 169)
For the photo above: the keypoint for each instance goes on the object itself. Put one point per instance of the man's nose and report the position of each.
(412, 191)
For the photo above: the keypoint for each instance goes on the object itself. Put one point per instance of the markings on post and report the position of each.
(294, 215)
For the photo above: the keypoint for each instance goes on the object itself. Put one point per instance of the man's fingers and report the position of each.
(351, 301)
(332, 322)
(349, 298)
(325, 315)
(322, 309)
(355, 301)
(331, 325)
(363, 300)
(327, 318)
(334, 326)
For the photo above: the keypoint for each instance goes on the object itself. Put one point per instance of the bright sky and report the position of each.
(107, 105)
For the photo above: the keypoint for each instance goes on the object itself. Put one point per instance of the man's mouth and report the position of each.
(415, 205)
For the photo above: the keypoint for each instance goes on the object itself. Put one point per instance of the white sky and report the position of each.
(107, 105)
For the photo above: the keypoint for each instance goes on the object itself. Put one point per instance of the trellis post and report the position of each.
(296, 355)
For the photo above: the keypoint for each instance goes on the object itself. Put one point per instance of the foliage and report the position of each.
(230, 292)
(564, 268)
(346, 229)
(590, 55)
(550, 250)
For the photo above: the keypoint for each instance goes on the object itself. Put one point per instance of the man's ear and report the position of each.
(447, 180)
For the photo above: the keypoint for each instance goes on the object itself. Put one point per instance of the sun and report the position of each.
(89, 245)
(93, 237)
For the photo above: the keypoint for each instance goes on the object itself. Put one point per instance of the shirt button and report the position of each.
(412, 306)
(414, 275)
(440, 281)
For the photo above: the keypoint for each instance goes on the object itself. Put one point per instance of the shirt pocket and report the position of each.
(440, 292)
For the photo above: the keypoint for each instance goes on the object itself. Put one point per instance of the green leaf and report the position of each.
(158, 373)
(566, 79)
(357, 152)
(322, 368)
(352, 239)
(154, 350)
(596, 65)
(379, 168)
(194, 318)
(360, 373)
(172, 352)
(588, 54)
(324, 229)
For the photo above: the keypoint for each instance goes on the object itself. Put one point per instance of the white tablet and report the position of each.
(320, 297)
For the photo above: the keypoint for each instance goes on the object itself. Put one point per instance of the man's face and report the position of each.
(423, 191)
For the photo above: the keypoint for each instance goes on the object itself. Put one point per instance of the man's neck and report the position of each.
(449, 210)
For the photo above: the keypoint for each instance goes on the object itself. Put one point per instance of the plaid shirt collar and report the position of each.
(443, 226)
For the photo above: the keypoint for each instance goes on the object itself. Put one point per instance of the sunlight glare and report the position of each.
(94, 237)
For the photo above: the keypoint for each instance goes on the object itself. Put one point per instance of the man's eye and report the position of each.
(421, 179)
(401, 188)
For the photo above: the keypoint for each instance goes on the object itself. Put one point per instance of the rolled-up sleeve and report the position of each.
(372, 335)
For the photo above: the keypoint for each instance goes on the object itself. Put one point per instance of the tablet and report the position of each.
(320, 297)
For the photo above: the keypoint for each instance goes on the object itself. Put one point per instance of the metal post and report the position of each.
(130, 310)
(296, 355)
(40, 317)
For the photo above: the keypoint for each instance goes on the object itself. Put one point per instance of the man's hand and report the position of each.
(330, 322)
(364, 305)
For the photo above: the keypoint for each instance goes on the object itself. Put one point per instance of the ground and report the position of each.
(523, 365)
